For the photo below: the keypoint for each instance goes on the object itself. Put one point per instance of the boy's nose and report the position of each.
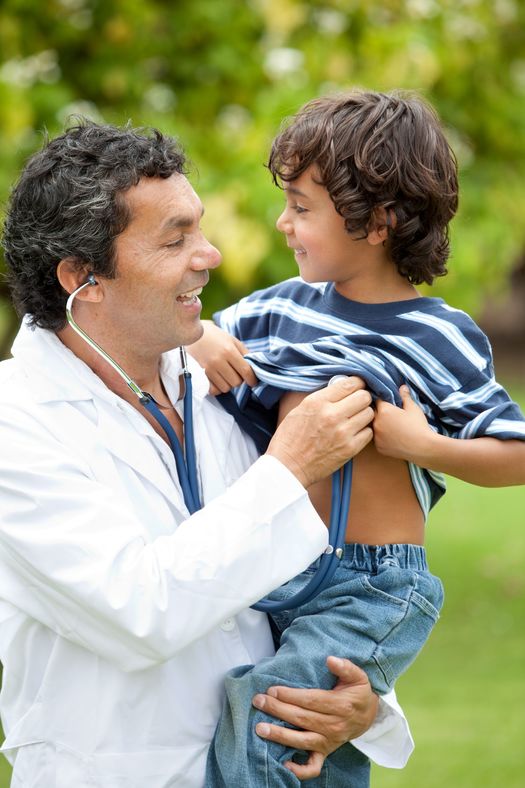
(283, 223)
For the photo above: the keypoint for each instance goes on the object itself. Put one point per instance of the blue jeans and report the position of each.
(378, 611)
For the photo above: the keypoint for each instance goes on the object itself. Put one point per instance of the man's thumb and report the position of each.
(346, 671)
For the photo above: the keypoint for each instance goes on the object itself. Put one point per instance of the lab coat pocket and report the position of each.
(159, 768)
(40, 764)
(30, 764)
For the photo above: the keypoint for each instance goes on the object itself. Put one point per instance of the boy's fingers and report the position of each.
(406, 397)
(242, 367)
(248, 375)
(224, 380)
(241, 347)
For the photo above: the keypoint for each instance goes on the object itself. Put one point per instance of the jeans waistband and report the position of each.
(370, 557)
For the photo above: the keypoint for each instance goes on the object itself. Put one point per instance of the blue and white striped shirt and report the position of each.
(300, 335)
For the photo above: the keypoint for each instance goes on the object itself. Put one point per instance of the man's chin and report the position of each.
(196, 335)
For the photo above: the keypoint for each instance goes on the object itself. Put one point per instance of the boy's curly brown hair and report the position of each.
(379, 150)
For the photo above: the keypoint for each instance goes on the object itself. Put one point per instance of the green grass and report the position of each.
(465, 695)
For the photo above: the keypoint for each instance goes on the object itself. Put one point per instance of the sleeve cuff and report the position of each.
(388, 742)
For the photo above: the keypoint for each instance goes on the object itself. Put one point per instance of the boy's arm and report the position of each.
(405, 434)
(222, 358)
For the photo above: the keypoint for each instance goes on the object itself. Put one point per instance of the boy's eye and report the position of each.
(298, 209)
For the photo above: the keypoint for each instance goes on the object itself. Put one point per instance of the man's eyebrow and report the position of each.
(178, 222)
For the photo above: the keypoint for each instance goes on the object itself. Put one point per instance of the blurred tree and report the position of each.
(222, 75)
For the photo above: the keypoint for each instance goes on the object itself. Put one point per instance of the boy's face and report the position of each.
(323, 249)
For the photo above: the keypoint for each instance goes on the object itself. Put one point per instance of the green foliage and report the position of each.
(222, 75)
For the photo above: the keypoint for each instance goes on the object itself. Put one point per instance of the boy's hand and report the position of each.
(403, 433)
(222, 357)
(326, 718)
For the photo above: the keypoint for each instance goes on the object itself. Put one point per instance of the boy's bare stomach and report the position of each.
(383, 505)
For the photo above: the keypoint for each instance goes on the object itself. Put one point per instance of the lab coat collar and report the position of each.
(66, 377)
(63, 377)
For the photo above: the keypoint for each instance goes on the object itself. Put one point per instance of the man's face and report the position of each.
(162, 262)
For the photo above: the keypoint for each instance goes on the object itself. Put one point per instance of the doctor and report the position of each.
(119, 612)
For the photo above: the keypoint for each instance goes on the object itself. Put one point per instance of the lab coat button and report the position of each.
(228, 625)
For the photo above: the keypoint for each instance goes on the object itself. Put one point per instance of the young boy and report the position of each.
(371, 186)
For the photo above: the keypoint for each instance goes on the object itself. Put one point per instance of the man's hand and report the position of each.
(324, 431)
(222, 358)
(327, 718)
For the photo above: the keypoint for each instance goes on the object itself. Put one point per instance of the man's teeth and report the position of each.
(190, 295)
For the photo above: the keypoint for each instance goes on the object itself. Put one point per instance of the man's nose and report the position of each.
(208, 256)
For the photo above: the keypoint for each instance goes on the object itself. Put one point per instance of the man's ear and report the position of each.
(71, 276)
(380, 223)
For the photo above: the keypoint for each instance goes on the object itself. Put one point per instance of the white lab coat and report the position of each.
(119, 613)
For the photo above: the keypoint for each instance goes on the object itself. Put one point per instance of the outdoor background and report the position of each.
(222, 74)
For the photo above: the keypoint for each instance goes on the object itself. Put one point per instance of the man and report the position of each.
(120, 614)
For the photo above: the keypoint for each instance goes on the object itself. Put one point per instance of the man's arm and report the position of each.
(92, 576)
(327, 719)
(405, 434)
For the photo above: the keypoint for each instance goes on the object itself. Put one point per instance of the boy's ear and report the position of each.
(71, 275)
(380, 223)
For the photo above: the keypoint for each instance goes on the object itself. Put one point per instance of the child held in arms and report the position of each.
(371, 186)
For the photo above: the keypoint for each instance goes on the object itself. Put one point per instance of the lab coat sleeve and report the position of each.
(75, 558)
(388, 742)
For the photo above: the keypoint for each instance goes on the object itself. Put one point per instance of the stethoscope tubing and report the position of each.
(186, 464)
(329, 561)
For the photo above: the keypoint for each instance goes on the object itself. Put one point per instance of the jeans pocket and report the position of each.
(385, 601)
(282, 619)
(429, 594)
(396, 652)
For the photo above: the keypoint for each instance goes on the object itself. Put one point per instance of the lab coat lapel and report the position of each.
(131, 443)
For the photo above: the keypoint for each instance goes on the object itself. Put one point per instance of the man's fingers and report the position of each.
(289, 737)
(301, 714)
(280, 701)
(340, 389)
(358, 421)
(309, 770)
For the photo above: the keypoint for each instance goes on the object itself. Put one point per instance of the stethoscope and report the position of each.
(186, 464)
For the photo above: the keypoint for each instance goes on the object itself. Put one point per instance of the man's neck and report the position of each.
(144, 371)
